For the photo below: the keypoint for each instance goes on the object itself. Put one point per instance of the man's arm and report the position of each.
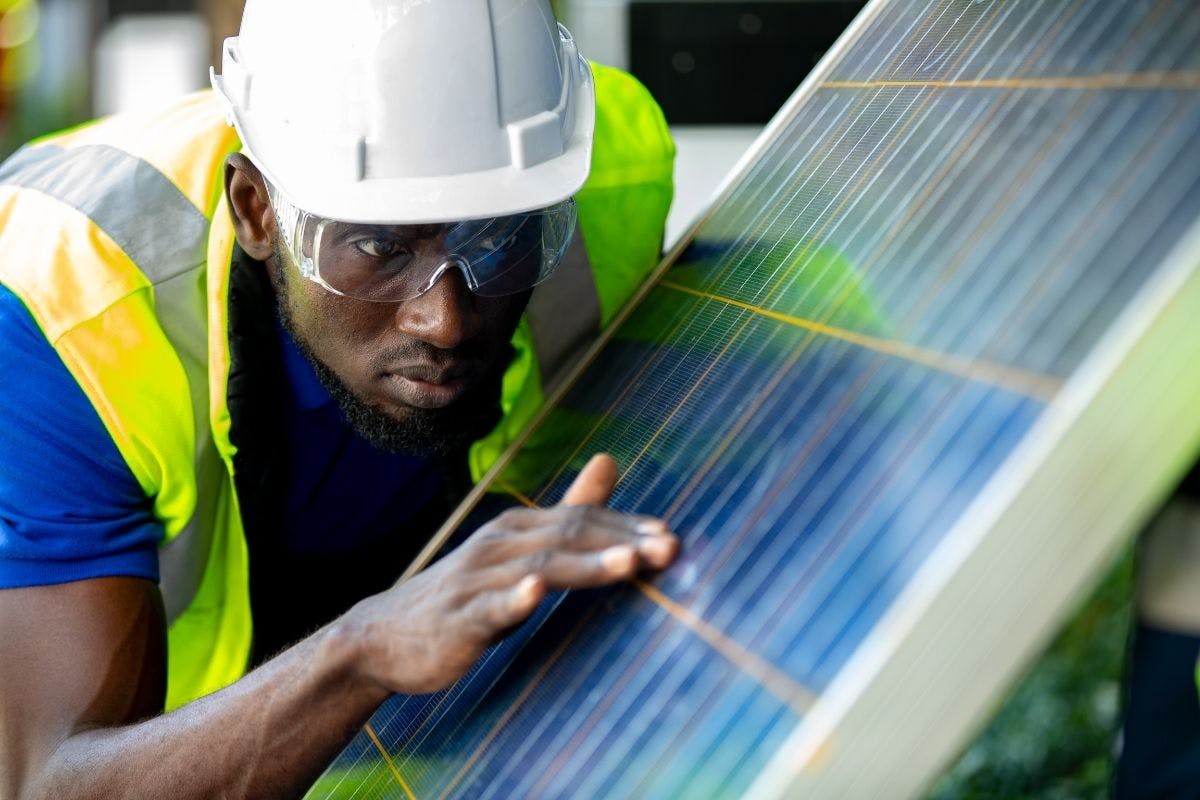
(82, 662)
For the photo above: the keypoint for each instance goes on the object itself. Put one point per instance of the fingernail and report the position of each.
(618, 559)
(657, 548)
(527, 587)
(652, 527)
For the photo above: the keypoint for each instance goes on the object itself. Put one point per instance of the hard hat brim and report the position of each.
(486, 193)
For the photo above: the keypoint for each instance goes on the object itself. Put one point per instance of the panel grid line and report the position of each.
(516, 704)
(387, 759)
(863, 105)
(771, 677)
(1041, 387)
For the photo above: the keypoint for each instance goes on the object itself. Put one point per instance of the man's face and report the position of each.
(422, 375)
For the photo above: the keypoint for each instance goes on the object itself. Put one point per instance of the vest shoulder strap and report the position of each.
(622, 213)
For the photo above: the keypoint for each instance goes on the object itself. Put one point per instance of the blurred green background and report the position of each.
(1054, 737)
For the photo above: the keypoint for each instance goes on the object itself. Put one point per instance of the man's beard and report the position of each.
(444, 431)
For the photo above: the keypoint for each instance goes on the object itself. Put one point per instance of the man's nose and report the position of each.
(445, 315)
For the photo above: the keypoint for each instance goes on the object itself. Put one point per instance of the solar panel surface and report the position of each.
(933, 236)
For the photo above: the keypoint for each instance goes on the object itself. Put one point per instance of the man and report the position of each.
(251, 373)
(1160, 733)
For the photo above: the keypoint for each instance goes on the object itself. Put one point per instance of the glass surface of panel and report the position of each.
(937, 231)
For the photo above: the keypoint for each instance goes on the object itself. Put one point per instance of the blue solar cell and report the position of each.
(934, 238)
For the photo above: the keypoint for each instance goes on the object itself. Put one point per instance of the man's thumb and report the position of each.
(594, 484)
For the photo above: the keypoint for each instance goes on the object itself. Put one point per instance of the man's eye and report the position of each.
(380, 248)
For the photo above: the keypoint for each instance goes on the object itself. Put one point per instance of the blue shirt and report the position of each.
(71, 509)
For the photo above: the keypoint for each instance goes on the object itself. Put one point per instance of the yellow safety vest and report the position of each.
(117, 237)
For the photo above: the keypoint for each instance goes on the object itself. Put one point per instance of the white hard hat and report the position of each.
(388, 111)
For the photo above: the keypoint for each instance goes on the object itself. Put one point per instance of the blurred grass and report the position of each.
(1054, 736)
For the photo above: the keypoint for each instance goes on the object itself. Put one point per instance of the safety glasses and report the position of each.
(391, 263)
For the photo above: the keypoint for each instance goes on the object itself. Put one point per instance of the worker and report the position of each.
(1160, 733)
(246, 372)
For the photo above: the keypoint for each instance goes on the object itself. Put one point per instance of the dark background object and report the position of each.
(117, 8)
(714, 62)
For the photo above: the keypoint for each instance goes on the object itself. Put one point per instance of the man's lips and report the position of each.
(426, 385)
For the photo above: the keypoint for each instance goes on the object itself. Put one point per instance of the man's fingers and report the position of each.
(579, 569)
(573, 528)
(494, 612)
(506, 594)
(597, 529)
(658, 551)
(585, 569)
(525, 596)
(594, 484)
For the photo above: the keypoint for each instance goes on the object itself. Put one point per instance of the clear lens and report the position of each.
(390, 263)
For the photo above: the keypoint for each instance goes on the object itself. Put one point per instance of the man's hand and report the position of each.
(426, 633)
(83, 662)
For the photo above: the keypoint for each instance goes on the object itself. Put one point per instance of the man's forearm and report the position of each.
(269, 734)
(87, 658)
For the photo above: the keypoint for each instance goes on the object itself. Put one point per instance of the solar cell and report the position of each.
(924, 365)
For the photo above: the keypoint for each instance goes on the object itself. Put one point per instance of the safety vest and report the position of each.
(117, 237)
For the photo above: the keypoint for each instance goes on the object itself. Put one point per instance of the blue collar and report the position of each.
(301, 378)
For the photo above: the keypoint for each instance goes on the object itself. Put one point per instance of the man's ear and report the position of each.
(253, 217)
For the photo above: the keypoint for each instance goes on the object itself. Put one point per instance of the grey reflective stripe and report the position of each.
(181, 306)
(136, 205)
(182, 561)
(165, 235)
(564, 315)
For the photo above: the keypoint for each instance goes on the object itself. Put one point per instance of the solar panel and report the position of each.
(905, 390)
